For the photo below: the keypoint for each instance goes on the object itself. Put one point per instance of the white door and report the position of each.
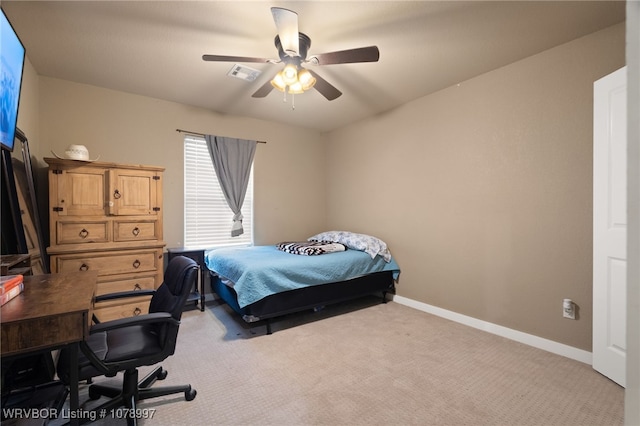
(610, 225)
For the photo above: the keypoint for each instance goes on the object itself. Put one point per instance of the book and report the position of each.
(10, 294)
(8, 282)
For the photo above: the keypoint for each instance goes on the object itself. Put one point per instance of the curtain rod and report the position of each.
(202, 134)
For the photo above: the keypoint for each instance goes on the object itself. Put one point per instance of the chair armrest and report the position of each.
(155, 318)
(123, 294)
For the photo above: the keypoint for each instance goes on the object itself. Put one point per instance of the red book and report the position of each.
(8, 282)
(11, 293)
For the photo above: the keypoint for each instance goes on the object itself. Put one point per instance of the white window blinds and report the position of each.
(207, 217)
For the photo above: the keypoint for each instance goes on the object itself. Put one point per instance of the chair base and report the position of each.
(133, 391)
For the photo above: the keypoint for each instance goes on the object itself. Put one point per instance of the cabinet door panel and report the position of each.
(133, 192)
(81, 192)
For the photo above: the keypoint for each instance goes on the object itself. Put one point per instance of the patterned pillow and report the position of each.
(371, 245)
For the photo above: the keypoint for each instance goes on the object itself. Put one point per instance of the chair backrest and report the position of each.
(179, 279)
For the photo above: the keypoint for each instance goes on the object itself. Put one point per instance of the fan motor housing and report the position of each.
(304, 42)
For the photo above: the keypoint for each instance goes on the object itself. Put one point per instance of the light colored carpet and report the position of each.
(376, 364)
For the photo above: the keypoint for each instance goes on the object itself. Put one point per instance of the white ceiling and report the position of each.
(155, 48)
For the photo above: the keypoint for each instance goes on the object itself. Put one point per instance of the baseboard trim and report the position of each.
(518, 336)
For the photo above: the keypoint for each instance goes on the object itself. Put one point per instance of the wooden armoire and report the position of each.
(108, 217)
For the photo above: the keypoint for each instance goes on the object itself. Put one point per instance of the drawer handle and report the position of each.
(84, 267)
(137, 311)
(137, 287)
(136, 264)
(135, 231)
(116, 194)
(84, 233)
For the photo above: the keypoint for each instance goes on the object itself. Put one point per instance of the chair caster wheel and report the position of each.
(190, 394)
(162, 374)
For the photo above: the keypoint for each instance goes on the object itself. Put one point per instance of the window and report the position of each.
(207, 216)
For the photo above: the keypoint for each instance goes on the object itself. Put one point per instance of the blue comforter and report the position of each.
(260, 271)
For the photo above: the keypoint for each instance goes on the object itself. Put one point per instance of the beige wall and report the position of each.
(126, 128)
(484, 190)
(28, 116)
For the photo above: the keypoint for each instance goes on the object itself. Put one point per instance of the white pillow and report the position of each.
(371, 245)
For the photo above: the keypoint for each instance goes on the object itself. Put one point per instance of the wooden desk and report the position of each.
(53, 311)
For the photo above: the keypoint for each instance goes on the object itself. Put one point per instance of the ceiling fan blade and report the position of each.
(264, 90)
(287, 24)
(223, 58)
(349, 56)
(325, 88)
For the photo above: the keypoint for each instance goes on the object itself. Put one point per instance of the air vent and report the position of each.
(243, 72)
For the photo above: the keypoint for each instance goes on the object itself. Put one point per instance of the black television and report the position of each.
(12, 55)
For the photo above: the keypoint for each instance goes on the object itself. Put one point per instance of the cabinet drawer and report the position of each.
(138, 230)
(82, 232)
(107, 263)
(115, 309)
(143, 282)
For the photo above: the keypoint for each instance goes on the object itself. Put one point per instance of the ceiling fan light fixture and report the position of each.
(306, 79)
(289, 74)
(293, 81)
(296, 88)
(278, 82)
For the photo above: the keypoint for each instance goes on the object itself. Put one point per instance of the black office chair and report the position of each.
(128, 343)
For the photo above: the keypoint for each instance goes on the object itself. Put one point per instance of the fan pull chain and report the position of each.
(284, 97)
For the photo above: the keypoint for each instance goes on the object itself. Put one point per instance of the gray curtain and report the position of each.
(232, 160)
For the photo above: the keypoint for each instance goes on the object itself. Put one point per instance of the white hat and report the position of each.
(76, 152)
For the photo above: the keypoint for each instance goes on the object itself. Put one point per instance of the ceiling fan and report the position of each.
(292, 49)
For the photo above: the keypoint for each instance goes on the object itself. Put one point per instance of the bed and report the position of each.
(261, 283)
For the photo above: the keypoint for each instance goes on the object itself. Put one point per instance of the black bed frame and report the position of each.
(311, 297)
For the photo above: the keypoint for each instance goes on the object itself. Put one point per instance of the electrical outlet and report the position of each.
(568, 309)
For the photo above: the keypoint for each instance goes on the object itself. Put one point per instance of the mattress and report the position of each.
(260, 271)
